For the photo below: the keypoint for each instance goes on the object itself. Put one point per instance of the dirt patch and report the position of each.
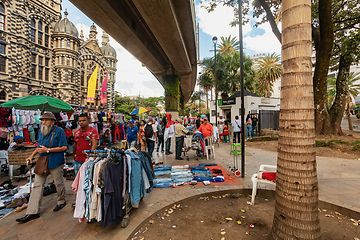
(225, 217)
(345, 146)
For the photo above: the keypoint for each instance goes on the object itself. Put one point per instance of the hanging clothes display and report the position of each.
(104, 180)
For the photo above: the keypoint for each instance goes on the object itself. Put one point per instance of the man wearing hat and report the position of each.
(132, 134)
(180, 132)
(17, 141)
(48, 132)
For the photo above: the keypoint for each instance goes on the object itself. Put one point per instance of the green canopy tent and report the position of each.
(41, 102)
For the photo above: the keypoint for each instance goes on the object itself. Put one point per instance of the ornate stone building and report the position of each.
(44, 54)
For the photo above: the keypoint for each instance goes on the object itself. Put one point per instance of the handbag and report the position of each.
(42, 163)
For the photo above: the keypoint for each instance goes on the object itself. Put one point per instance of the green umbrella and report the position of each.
(35, 102)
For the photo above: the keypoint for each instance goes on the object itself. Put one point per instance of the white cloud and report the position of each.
(131, 78)
(266, 43)
(217, 23)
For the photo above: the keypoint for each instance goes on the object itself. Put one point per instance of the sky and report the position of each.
(132, 79)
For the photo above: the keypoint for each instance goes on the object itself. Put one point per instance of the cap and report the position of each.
(179, 120)
(17, 138)
(48, 115)
(205, 118)
(131, 121)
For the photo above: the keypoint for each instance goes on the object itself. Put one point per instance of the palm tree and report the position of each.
(297, 196)
(206, 81)
(269, 70)
(353, 90)
(196, 96)
(228, 44)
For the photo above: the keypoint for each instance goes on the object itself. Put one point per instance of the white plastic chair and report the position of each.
(257, 178)
(209, 144)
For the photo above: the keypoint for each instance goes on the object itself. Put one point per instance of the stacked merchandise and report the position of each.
(170, 176)
(104, 181)
(13, 197)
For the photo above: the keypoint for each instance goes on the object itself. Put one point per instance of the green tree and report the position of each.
(269, 70)
(353, 89)
(206, 81)
(228, 45)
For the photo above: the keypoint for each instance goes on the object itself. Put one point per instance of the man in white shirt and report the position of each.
(237, 128)
(221, 123)
(150, 141)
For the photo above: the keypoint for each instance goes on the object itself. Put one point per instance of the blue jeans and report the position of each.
(137, 184)
(150, 145)
(77, 166)
(161, 142)
(237, 135)
(248, 130)
(167, 145)
(253, 131)
(108, 143)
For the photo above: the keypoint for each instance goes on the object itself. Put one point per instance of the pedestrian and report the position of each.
(132, 134)
(180, 132)
(105, 138)
(168, 132)
(85, 138)
(248, 126)
(221, 123)
(160, 134)
(141, 138)
(254, 124)
(198, 121)
(48, 133)
(237, 129)
(151, 136)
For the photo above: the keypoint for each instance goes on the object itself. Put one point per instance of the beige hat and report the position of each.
(48, 115)
(180, 120)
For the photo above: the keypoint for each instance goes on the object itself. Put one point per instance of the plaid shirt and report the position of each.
(180, 130)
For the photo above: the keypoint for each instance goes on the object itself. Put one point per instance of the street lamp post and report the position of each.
(214, 39)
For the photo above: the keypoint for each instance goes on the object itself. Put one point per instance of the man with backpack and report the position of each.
(150, 135)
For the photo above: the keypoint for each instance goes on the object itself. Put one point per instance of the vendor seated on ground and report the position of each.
(17, 144)
(105, 138)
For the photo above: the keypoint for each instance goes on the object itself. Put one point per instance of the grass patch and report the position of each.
(264, 138)
(323, 143)
(356, 145)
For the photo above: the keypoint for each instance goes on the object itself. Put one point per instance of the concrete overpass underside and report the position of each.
(159, 33)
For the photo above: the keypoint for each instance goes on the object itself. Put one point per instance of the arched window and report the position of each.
(2, 95)
(46, 29)
(2, 17)
(82, 78)
(33, 23)
(59, 76)
(40, 25)
(72, 77)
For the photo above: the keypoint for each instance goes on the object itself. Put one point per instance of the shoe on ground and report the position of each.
(167, 153)
(59, 207)
(28, 218)
(170, 152)
(180, 158)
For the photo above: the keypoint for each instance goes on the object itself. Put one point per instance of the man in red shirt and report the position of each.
(85, 138)
(206, 129)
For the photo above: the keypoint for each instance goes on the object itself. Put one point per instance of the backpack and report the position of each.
(149, 132)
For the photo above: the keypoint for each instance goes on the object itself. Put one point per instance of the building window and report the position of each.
(33, 58)
(46, 62)
(40, 25)
(2, 17)
(62, 60)
(32, 35)
(46, 40)
(72, 77)
(68, 44)
(40, 36)
(33, 71)
(47, 71)
(59, 76)
(63, 43)
(2, 64)
(2, 95)
(68, 61)
(2, 8)
(41, 60)
(2, 48)
(41, 72)
(82, 78)
(46, 29)
(32, 23)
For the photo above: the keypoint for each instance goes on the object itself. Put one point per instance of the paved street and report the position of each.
(338, 179)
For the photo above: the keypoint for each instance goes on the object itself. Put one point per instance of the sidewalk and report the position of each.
(338, 179)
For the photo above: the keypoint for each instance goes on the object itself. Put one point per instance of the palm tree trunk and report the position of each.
(349, 115)
(268, 88)
(207, 100)
(296, 197)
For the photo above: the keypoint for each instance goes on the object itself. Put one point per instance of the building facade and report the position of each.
(43, 54)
